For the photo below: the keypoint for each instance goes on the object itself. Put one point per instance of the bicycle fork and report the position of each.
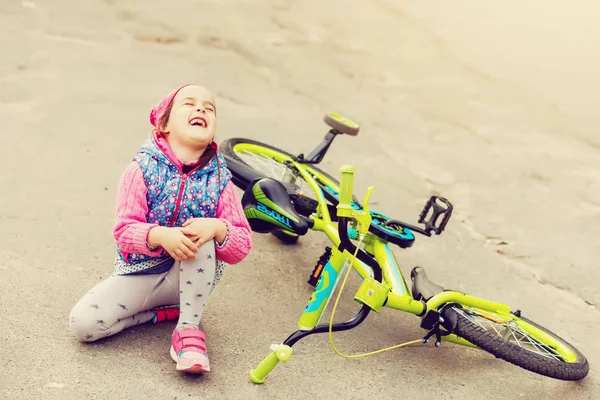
(313, 312)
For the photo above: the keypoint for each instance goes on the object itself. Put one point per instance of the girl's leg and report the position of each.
(196, 278)
(122, 301)
(196, 281)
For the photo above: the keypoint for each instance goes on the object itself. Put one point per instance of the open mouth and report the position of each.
(198, 121)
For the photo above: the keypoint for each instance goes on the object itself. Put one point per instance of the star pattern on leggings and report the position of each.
(124, 307)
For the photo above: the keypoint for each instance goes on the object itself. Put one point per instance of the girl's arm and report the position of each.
(238, 241)
(131, 227)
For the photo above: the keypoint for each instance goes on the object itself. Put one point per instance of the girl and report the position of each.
(178, 221)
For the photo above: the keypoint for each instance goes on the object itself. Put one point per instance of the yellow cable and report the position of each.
(333, 315)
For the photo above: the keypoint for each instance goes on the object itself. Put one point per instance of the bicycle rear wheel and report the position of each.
(519, 341)
(254, 159)
(263, 160)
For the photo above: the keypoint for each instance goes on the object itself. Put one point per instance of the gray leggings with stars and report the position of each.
(122, 301)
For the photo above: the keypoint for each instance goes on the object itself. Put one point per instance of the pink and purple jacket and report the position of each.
(155, 191)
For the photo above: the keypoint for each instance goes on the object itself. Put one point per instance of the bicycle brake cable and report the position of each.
(335, 307)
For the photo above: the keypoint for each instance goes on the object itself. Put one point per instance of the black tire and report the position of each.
(515, 354)
(242, 181)
(288, 238)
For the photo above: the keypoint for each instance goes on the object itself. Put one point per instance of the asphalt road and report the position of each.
(491, 105)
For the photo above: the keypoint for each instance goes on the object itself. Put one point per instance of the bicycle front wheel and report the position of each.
(519, 341)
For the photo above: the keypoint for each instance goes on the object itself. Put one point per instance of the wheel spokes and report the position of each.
(273, 169)
(510, 332)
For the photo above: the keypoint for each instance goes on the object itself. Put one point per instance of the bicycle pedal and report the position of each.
(316, 274)
(443, 210)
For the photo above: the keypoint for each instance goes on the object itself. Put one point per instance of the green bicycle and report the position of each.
(287, 196)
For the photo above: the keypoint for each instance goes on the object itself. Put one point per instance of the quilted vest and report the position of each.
(173, 197)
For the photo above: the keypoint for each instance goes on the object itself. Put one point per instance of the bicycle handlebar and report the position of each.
(344, 207)
(346, 185)
(441, 210)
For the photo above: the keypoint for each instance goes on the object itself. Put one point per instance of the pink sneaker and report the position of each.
(188, 350)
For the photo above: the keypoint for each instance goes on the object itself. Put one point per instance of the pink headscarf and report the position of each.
(159, 110)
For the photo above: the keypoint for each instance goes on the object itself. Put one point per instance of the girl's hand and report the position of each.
(205, 229)
(176, 241)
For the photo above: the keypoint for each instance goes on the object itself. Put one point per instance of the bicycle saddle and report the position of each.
(422, 287)
(268, 207)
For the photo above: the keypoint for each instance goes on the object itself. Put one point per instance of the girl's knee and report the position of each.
(84, 324)
(209, 245)
(205, 255)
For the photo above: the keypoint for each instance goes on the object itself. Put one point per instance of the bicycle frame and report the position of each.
(399, 297)
(383, 284)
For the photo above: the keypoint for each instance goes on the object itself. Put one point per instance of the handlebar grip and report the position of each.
(346, 184)
(259, 374)
(281, 353)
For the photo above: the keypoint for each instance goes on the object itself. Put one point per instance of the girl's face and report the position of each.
(193, 120)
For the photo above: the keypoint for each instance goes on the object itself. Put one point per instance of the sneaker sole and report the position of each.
(183, 367)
